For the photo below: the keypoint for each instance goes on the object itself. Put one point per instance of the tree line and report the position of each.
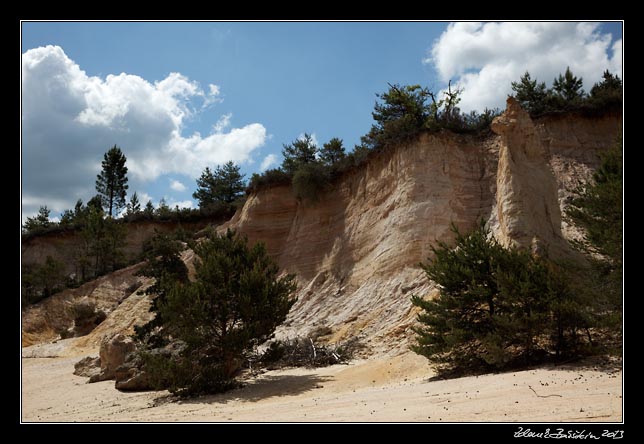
(404, 111)
(567, 94)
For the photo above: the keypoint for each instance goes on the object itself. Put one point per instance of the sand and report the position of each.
(385, 389)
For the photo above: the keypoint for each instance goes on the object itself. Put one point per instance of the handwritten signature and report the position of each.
(568, 434)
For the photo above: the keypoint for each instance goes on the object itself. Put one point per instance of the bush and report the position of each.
(86, 316)
(499, 307)
(272, 177)
(40, 281)
(310, 180)
(236, 301)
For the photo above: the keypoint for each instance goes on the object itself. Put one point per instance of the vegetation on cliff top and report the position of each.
(403, 112)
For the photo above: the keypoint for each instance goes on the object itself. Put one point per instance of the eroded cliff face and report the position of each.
(65, 246)
(356, 250)
(527, 210)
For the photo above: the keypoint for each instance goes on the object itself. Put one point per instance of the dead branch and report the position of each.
(542, 396)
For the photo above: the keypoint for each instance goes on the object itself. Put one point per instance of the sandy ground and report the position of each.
(380, 389)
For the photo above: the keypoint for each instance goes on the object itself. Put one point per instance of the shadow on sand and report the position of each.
(602, 363)
(261, 388)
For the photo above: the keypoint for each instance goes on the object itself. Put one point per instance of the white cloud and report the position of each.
(222, 123)
(144, 197)
(180, 203)
(214, 90)
(69, 120)
(176, 185)
(213, 96)
(484, 58)
(268, 161)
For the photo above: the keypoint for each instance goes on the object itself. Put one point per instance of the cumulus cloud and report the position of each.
(268, 162)
(176, 185)
(69, 119)
(222, 123)
(484, 58)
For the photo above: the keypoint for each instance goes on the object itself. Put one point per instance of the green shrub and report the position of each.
(236, 301)
(310, 180)
(500, 307)
(272, 177)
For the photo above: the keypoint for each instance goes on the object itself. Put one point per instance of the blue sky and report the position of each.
(177, 97)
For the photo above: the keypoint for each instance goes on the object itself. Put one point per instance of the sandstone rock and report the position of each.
(113, 353)
(527, 208)
(88, 366)
(131, 377)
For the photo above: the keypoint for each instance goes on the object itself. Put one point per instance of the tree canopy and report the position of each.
(568, 87)
(236, 300)
(225, 185)
(332, 152)
(532, 96)
(597, 208)
(499, 307)
(38, 222)
(111, 183)
(299, 152)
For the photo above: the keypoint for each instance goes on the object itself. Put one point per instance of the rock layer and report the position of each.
(527, 210)
(355, 251)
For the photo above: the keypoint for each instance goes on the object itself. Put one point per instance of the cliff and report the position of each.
(355, 251)
(64, 245)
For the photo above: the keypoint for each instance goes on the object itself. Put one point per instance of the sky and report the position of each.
(178, 97)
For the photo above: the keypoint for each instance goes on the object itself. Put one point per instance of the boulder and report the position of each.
(88, 366)
(132, 374)
(113, 353)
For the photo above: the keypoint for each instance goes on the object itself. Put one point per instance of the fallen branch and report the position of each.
(543, 396)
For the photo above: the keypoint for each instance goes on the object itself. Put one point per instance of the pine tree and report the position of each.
(462, 315)
(134, 206)
(332, 152)
(498, 307)
(148, 211)
(163, 211)
(235, 301)
(223, 186)
(607, 93)
(42, 280)
(531, 95)
(103, 239)
(206, 186)
(231, 182)
(568, 88)
(403, 112)
(297, 153)
(39, 222)
(598, 210)
(163, 264)
(111, 183)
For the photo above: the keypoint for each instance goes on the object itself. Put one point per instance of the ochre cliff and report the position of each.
(64, 246)
(527, 210)
(356, 250)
